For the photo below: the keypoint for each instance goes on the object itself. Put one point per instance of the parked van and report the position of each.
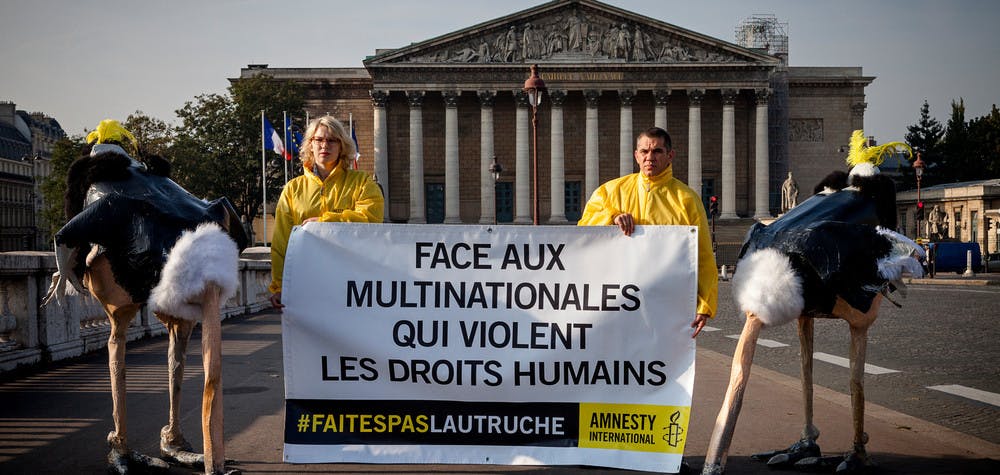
(951, 256)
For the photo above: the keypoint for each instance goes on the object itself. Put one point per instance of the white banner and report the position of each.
(551, 345)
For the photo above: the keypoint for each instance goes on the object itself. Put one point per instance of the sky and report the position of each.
(81, 62)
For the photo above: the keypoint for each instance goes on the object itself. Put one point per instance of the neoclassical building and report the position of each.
(432, 116)
(26, 142)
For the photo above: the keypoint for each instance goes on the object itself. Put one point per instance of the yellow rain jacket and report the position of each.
(345, 196)
(661, 199)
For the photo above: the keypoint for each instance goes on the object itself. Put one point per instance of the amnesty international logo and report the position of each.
(634, 427)
(674, 432)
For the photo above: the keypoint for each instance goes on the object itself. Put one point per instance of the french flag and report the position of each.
(272, 140)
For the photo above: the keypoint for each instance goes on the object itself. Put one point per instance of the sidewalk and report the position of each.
(951, 278)
(56, 421)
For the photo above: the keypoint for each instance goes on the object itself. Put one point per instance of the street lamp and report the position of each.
(495, 169)
(534, 87)
(918, 169)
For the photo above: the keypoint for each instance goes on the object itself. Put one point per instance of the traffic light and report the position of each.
(920, 211)
(713, 206)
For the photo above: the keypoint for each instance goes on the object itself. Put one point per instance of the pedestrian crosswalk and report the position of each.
(974, 394)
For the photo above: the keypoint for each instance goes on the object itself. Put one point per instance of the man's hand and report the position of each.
(309, 220)
(625, 222)
(699, 323)
(276, 300)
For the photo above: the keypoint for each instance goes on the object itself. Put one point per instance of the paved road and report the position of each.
(55, 420)
(936, 357)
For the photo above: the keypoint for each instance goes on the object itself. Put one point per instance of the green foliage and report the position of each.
(924, 138)
(984, 147)
(65, 151)
(217, 148)
(153, 135)
(962, 151)
(956, 166)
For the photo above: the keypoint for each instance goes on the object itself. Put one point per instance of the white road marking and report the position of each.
(707, 328)
(762, 342)
(846, 363)
(969, 393)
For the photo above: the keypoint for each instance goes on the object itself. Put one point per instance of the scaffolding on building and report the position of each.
(764, 32)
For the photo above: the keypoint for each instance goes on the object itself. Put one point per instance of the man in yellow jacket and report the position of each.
(327, 191)
(654, 196)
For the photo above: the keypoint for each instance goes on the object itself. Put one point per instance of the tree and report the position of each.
(955, 148)
(984, 143)
(924, 138)
(153, 135)
(217, 148)
(65, 151)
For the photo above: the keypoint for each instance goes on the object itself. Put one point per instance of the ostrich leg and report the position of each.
(806, 325)
(118, 439)
(211, 405)
(805, 453)
(173, 446)
(117, 303)
(859, 323)
(725, 424)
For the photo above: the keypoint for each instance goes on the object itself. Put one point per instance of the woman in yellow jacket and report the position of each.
(654, 196)
(327, 191)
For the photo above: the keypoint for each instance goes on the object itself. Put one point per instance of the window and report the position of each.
(707, 190)
(974, 226)
(434, 192)
(573, 201)
(505, 202)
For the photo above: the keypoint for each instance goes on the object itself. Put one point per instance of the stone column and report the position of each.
(695, 96)
(522, 159)
(452, 182)
(487, 186)
(418, 213)
(728, 195)
(660, 97)
(761, 174)
(858, 115)
(626, 161)
(379, 100)
(592, 169)
(557, 161)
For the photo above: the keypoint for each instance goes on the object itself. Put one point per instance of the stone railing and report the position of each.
(31, 334)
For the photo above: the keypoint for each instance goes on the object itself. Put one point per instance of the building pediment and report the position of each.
(571, 31)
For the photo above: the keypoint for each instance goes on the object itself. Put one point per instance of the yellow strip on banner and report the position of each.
(634, 427)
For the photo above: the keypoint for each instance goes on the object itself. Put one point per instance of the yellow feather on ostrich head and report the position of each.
(111, 131)
(864, 160)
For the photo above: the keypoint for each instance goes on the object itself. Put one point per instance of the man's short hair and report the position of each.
(656, 133)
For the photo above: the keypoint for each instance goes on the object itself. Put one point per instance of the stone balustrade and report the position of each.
(31, 334)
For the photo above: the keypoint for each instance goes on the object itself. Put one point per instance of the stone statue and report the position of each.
(789, 193)
(531, 43)
(934, 223)
(577, 35)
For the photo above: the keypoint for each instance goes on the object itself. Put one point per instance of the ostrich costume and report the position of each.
(134, 237)
(832, 256)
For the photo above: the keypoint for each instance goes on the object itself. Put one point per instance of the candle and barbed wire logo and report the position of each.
(674, 432)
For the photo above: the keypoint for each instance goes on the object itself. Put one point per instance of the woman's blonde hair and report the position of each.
(338, 130)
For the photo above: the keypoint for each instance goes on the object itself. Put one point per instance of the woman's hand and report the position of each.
(276, 300)
(309, 220)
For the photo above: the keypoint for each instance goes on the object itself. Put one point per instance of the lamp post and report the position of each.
(918, 169)
(534, 87)
(495, 169)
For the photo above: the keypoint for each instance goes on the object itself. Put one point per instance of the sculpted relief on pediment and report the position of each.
(574, 36)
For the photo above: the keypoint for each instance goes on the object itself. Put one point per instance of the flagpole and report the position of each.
(284, 122)
(356, 151)
(263, 171)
